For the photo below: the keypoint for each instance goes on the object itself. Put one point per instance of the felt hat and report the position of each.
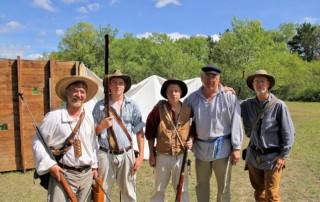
(118, 74)
(183, 86)
(260, 72)
(62, 84)
(211, 69)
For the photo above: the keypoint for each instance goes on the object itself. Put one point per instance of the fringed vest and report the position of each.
(168, 132)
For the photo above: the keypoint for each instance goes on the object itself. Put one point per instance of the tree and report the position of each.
(306, 42)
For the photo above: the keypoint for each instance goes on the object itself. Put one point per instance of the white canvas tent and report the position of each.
(146, 94)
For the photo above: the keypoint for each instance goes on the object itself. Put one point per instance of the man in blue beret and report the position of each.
(219, 133)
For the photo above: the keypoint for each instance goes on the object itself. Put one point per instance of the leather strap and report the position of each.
(272, 102)
(122, 126)
(262, 112)
(69, 141)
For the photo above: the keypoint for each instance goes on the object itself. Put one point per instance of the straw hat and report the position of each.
(261, 72)
(118, 74)
(61, 86)
(183, 86)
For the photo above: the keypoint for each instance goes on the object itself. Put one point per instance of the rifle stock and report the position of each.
(63, 180)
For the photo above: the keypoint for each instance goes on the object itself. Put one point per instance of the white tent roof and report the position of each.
(146, 94)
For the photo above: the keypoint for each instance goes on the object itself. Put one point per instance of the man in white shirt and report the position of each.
(79, 163)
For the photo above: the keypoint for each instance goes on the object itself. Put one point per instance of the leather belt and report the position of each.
(78, 169)
(121, 151)
(266, 150)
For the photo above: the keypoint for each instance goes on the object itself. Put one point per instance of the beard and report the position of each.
(75, 102)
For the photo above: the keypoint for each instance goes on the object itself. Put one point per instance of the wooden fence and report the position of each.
(36, 79)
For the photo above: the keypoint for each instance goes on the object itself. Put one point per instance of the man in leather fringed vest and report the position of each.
(169, 123)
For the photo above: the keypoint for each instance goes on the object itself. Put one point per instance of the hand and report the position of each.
(152, 160)
(55, 171)
(189, 143)
(94, 172)
(138, 163)
(235, 156)
(279, 164)
(107, 122)
(226, 89)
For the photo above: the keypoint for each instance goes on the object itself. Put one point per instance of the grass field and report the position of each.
(300, 181)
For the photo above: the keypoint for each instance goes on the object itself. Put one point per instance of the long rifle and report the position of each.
(181, 178)
(63, 180)
(111, 134)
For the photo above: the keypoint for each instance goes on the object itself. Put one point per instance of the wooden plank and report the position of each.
(22, 144)
(10, 141)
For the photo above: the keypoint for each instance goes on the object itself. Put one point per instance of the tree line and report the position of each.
(291, 54)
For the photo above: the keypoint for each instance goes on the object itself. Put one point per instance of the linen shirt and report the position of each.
(56, 127)
(131, 119)
(276, 130)
(219, 117)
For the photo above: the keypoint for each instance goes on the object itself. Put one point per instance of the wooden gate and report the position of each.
(36, 80)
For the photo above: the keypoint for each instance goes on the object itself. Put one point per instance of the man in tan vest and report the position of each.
(169, 124)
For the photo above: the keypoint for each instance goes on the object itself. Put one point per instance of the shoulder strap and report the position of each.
(122, 126)
(262, 113)
(70, 139)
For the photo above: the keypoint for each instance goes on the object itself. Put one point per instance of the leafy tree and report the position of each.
(285, 33)
(306, 42)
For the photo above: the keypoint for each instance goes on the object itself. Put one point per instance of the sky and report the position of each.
(30, 28)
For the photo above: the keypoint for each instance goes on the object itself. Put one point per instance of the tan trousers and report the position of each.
(80, 183)
(222, 171)
(266, 184)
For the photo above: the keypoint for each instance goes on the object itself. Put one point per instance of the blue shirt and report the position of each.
(275, 130)
(219, 117)
(130, 116)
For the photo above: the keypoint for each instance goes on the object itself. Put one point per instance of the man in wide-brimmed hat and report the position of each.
(268, 124)
(77, 160)
(117, 160)
(219, 133)
(169, 124)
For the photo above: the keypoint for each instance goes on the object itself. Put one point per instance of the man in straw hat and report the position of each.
(271, 136)
(119, 164)
(219, 133)
(77, 162)
(169, 124)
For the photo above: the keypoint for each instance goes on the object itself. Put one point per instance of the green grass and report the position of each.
(300, 180)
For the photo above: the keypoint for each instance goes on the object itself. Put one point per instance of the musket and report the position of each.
(113, 138)
(63, 180)
(181, 178)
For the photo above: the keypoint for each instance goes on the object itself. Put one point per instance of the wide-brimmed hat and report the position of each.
(118, 74)
(211, 69)
(62, 84)
(261, 72)
(183, 86)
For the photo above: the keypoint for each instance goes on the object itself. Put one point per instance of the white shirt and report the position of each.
(56, 127)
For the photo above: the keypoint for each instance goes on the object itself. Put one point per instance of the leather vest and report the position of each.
(167, 139)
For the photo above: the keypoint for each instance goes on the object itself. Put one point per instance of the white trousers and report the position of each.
(166, 166)
(118, 168)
